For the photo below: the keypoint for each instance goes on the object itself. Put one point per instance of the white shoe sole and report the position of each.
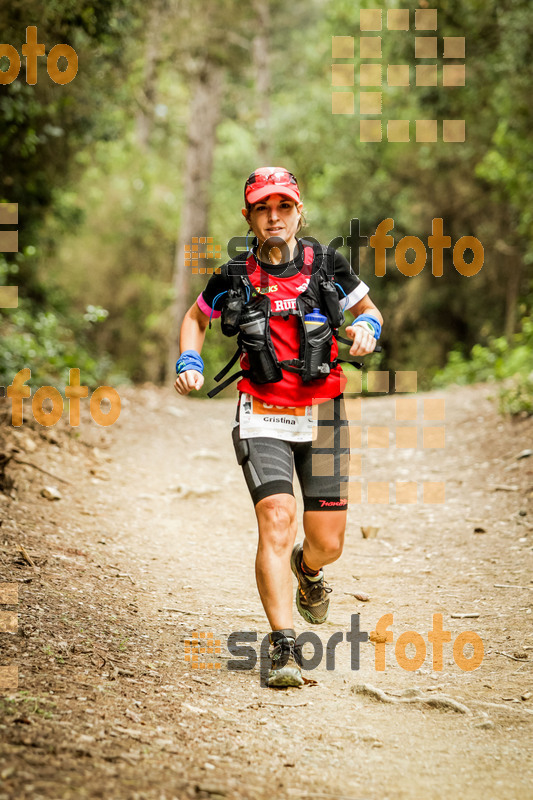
(286, 676)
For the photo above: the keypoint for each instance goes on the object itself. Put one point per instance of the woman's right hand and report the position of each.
(189, 380)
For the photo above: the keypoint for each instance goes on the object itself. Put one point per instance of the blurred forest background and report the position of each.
(176, 102)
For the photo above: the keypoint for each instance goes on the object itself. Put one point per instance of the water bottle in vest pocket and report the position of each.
(318, 339)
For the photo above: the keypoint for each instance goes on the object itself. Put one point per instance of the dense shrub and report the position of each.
(507, 362)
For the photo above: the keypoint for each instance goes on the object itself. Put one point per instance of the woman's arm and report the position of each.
(363, 341)
(192, 335)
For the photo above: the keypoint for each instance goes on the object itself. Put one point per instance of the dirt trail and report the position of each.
(154, 538)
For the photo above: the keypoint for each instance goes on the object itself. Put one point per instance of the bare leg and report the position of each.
(276, 518)
(324, 537)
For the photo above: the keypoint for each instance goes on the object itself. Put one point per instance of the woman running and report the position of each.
(285, 300)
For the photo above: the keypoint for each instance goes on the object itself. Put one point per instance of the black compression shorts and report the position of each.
(322, 465)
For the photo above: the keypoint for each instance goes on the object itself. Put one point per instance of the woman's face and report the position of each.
(275, 216)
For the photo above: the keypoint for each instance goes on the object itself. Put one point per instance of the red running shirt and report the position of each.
(291, 390)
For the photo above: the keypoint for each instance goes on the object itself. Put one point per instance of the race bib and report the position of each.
(294, 424)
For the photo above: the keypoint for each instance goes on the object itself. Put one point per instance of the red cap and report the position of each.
(271, 180)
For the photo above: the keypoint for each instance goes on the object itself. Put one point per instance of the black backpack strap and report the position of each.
(231, 362)
(343, 340)
(217, 389)
(224, 371)
(327, 260)
(235, 268)
(347, 361)
(292, 365)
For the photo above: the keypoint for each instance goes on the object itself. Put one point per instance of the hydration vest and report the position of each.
(246, 313)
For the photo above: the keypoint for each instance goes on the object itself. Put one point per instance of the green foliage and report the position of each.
(101, 201)
(50, 341)
(44, 128)
(43, 125)
(498, 360)
(508, 363)
(127, 268)
(479, 187)
(516, 397)
(49, 344)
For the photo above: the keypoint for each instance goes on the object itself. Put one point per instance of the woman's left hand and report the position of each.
(363, 341)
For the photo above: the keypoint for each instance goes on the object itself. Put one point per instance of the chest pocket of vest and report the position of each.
(231, 313)
(256, 342)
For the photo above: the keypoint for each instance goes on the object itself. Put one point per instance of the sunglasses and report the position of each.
(282, 178)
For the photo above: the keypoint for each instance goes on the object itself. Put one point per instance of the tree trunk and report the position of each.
(145, 115)
(511, 276)
(201, 136)
(261, 56)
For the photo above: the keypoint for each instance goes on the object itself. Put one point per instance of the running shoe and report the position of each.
(286, 662)
(312, 599)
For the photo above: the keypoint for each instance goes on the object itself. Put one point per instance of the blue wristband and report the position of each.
(189, 359)
(373, 322)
